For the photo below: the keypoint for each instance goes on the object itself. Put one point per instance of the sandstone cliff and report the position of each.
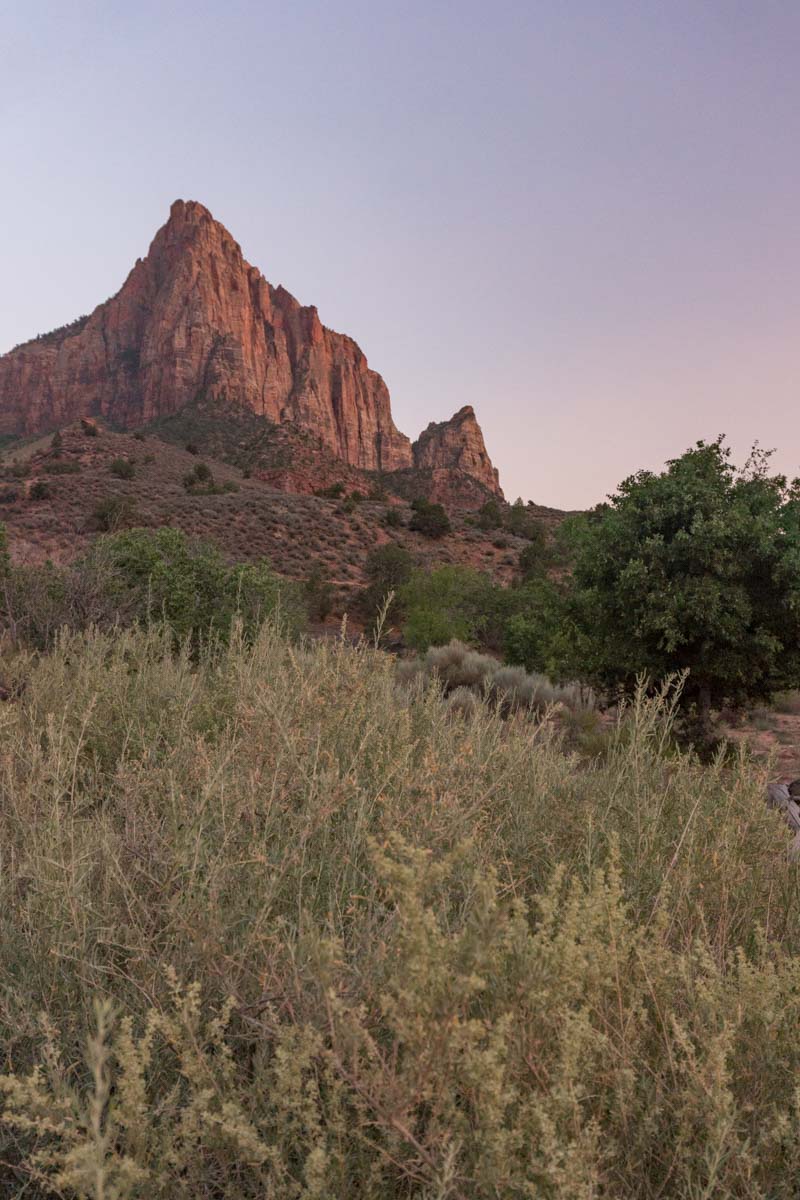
(195, 320)
(457, 445)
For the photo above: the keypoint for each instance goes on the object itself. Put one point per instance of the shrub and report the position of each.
(139, 435)
(392, 518)
(429, 519)
(534, 558)
(191, 448)
(8, 495)
(123, 468)
(333, 492)
(387, 568)
(66, 466)
(56, 442)
(164, 575)
(490, 515)
(319, 592)
(452, 602)
(114, 512)
(200, 482)
(39, 490)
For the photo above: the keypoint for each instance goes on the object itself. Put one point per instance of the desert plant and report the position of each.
(429, 519)
(319, 592)
(114, 512)
(333, 492)
(123, 468)
(39, 490)
(61, 466)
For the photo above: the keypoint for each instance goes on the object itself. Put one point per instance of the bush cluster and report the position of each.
(200, 482)
(459, 670)
(144, 576)
(429, 519)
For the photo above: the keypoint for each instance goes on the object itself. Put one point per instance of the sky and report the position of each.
(579, 216)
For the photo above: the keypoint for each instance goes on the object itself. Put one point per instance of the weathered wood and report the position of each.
(782, 797)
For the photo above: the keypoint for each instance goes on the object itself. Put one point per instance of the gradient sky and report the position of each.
(579, 216)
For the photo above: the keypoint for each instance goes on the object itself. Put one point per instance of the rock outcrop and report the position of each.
(457, 445)
(194, 320)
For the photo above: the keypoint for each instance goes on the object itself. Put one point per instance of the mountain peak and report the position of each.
(457, 445)
(194, 320)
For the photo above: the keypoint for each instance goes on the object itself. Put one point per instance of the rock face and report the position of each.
(457, 445)
(194, 319)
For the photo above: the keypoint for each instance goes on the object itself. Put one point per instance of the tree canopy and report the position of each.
(698, 569)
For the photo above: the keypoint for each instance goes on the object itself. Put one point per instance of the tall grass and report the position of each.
(275, 926)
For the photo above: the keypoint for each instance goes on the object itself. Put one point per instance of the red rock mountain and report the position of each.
(194, 319)
(456, 445)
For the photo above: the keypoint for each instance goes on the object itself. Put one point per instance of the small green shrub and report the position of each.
(39, 490)
(123, 468)
(319, 592)
(66, 466)
(114, 512)
(431, 520)
(333, 492)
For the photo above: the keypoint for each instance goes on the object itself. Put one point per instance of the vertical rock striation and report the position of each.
(194, 319)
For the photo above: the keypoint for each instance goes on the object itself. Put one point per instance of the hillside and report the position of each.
(293, 529)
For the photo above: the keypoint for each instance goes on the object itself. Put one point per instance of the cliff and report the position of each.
(194, 320)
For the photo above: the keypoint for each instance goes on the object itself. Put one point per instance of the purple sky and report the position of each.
(579, 216)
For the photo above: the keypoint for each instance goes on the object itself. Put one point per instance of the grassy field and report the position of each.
(274, 925)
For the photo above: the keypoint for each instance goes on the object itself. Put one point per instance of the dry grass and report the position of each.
(274, 926)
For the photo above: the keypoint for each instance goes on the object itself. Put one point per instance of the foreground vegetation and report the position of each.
(275, 925)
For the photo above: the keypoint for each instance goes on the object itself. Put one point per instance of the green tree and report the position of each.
(429, 519)
(538, 634)
(164, 575)
(453, 602)
(697, 568)
(387, 568)
(534, 559)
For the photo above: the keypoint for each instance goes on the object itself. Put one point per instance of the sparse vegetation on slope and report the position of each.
(274, 926)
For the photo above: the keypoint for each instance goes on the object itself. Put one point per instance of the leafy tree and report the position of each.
(429, 519)
(534, 558)
(319, 592)
(453, 602)
(387, 568)
(697, 568)
(188, 584)
(538, 633)
(490, 515)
